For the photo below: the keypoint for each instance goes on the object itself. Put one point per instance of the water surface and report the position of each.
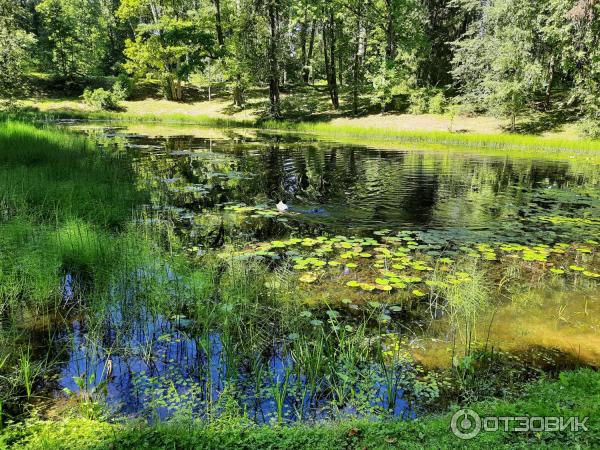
(339, 188)
(221, 186)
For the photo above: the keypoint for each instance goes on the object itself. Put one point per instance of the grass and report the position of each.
(134, 117)
(63, 206)
(69, 211)
(56, 175)
(65, 211)
(386, 131)
(573, 394)
(535, 145)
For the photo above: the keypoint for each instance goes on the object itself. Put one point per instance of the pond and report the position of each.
(341, 188)
(218, 190)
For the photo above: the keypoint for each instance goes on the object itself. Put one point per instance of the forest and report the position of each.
(506, 58)
(309, 224)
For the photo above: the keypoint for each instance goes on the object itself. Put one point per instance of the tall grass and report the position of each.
(26, 372)
(517, 144)
(52, 175)
(173, 118)
(65, 234)
(60, 202)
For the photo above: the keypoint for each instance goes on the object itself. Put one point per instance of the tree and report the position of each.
(14, 51)
(397, 42)
(307, 24)
(360, 37)
(75, 36)
(443, 23)
(329, 52)
(495, 61)
(584, 20)
(273, 12)
(168, 47)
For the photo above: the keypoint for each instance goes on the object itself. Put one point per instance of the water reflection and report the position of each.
(149, 364)
(144, 364)
(338, 187)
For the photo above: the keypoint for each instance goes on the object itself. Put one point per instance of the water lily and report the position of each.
(308, 277)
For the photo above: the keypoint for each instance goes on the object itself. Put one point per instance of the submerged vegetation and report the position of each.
(127, 292)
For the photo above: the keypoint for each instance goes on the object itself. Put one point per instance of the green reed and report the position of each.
(26, 372)
(279, 390)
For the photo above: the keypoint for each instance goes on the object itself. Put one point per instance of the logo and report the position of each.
(466, 424)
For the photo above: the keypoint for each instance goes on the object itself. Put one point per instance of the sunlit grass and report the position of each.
(520, 145)
(54, 175)
(135, 117)
(527, 145)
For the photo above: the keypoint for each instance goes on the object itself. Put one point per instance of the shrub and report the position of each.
(590, 128)
(419, 101)
(425, 100)
(437, 103)
(102, 99)
(124, 85)
(298, 106)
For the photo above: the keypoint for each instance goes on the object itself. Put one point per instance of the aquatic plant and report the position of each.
(303, 326)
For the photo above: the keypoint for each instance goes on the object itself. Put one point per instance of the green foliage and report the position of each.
(14, 54)
(425, 100)
(495, 61)
(585, 63)
(391, 85)
(574, 394)
(75, 37)
(108, 100)
(298, 106)
(438, 103)
(505, 57)
(168, 47)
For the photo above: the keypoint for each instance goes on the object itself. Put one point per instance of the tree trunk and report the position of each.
(361, 33)
(329, 55)
(178, 91)
(175, 89)
(273, 61)
(340, 67)
(390, 47)
(303, 36)
(334, 88)
(326, 57)
(238, 92)
(513, 113)
(550, 81)
(340, 57)
(218, 24)
(309, 55)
